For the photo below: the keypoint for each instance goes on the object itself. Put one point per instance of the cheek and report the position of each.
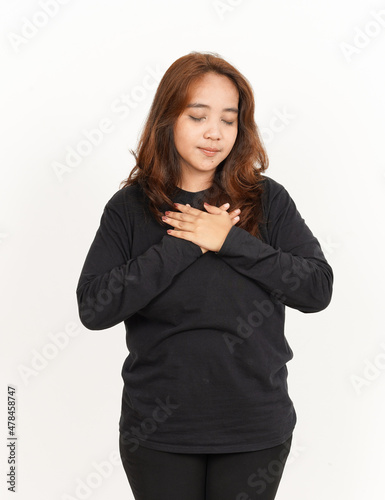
(183, 136)
(177, 135)
(232, 137)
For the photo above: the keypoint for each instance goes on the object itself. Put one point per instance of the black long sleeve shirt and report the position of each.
(206, 370)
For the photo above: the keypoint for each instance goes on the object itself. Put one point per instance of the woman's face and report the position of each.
(205, 132)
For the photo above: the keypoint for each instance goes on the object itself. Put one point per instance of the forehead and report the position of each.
(214, 88)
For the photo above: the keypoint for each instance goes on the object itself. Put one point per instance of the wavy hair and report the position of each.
(237, 179)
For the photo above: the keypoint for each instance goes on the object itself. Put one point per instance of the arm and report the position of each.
(112, 285)
(293, 268)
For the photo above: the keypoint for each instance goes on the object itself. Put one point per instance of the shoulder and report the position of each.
(271, 190)
(277, 202)
(124, 207)
(127, 199)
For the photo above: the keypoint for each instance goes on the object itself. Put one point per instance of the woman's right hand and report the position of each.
(234, 214)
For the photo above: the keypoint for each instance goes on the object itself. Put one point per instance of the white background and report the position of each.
(308, 60)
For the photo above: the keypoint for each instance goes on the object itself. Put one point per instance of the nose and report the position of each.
(212, 132)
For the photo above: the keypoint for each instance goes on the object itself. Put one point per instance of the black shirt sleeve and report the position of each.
(292, 267)
(113, 285)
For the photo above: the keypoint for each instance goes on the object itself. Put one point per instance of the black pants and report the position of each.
(161, 475)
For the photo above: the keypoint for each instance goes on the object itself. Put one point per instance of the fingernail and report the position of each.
(227, 204)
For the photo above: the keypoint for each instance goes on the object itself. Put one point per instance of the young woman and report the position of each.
(199, 253)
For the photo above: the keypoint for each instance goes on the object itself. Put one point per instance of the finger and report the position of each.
(180, 221)
(233, 213)
(212, 209)
(186, 208)
(179, 234)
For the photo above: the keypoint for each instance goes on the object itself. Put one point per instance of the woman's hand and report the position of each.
(208, 229)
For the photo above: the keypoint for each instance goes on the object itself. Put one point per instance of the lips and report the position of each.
(209, 151)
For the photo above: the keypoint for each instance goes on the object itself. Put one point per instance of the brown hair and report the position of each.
(237, 179)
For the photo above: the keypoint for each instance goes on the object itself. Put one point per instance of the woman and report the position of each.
(198, 254)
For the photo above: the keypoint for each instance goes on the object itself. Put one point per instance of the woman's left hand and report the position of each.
(206, 229)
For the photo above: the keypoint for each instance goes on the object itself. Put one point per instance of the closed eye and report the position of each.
(202, 118)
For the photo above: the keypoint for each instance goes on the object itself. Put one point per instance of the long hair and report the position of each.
(237, 179)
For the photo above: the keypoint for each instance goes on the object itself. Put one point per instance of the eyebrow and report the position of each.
(199, 105)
